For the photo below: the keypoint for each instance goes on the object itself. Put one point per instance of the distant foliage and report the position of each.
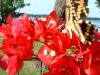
(10, 6)
(98, 3)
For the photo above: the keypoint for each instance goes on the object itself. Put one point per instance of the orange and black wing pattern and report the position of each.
(77, 11)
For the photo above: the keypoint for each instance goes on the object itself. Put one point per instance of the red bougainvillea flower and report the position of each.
(85, 60)
(15, 64)
(46, 23)
(23, 26)
(47, 73)
(82, 55)
(16, 52)
(96, 34)
(12, 46)
(18, 44)
(54, 35)
(38, 30)
(90, 59)
(25, 46)
(9, 20)
(56, 42)
(64, 66)
(50, 53)
(19, 34)
(60, 42)
(11, 64)
(4, 62)
(95, 53)
(50, 21)
(76, 43)
(5, 30)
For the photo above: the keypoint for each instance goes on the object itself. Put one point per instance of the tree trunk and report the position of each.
(60, 8)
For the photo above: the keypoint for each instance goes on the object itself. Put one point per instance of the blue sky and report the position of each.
(46, 6)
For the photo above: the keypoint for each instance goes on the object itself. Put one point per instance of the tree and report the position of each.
(98, 3)
(9, 7)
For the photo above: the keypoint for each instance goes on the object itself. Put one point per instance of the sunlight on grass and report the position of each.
(3, 72)
(37, 47)
(1, 44)
(32, 68)
(1, 40)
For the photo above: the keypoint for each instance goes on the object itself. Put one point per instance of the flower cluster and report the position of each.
(62, 54)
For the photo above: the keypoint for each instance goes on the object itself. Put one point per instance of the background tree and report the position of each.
(9, 7)
(98, 3)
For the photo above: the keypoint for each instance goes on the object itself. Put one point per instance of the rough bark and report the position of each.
(60, 8)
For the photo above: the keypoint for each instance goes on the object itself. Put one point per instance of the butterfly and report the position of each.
(74, 12)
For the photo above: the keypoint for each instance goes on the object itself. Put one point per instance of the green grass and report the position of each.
(1, 44)
(30, 69)
(37, 47)
(3, 72)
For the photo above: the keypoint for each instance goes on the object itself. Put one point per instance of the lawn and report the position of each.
(30, 67)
